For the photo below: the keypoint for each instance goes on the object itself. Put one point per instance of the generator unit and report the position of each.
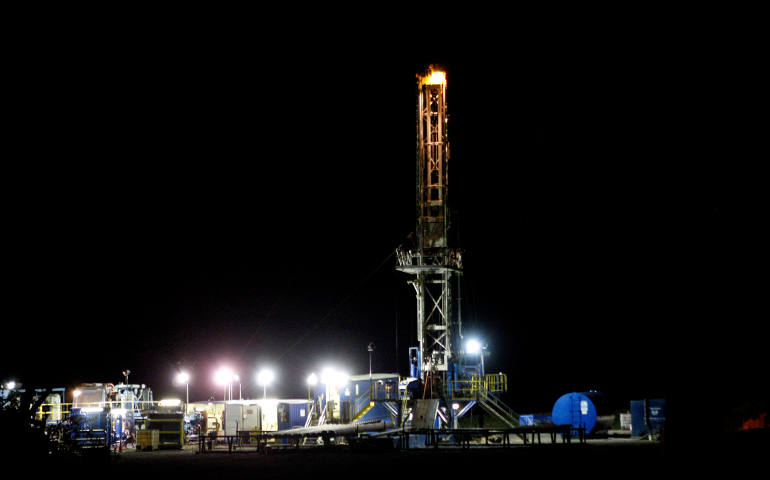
(170, 427)
(91, 427)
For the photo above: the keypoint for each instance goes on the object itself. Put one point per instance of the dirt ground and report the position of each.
(601, 459)
(613, 458)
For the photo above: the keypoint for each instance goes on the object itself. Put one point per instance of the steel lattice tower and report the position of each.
(435, 266)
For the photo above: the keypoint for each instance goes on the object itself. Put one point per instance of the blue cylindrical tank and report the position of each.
(578, 409)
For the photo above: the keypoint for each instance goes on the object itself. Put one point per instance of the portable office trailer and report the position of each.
(242, 415)
(292, 413)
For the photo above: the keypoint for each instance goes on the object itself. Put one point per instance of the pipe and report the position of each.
(346, 429)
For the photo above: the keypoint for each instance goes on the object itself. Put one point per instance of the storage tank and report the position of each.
(581, 409)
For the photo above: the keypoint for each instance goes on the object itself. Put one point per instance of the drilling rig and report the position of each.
(448, 371)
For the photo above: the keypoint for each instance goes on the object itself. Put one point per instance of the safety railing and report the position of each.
(497, 382)
(310, 414)
(54, 412)
(467, 438)
(362, 401)
(245, 441)
(498, 408)
(470, 388)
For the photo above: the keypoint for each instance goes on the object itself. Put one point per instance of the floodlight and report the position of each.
(327, 375)
(223, 376)
(472, 346)
(265, 377)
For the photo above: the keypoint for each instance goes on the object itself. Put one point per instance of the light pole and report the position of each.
(370, 348)
(265, 377)
(184, 377)
(224, 376)
(312, 381)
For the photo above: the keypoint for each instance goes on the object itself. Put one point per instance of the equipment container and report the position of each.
(647, 417)
(170, 427)
(147, 440)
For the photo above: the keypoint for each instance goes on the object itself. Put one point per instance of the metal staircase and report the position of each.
(363, 412)
(496, 407)
(309, 423)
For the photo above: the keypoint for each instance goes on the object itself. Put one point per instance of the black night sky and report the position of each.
(192, 204)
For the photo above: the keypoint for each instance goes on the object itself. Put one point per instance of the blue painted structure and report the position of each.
(378, 412)
(647, 417)
(361, 391)
(534, 419)
(578, 409)
(415, 362)
(292, 413)
(91, 429)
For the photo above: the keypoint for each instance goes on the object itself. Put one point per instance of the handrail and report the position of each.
(497, 407)
(361, 401)
(322, 418)
(66, 407)
(496, 382)
(309, 418)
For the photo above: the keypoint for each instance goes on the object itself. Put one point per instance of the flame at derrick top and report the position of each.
(433, 77)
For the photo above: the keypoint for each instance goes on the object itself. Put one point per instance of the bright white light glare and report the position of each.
(76, 393)
(92, 409)
(331, 376)
(437, 78)
(312, 379)
(10, 385)
(170, 402)
(327, 375)
(223, 376)
(472, 346)
(118, 411)
(455, 406)
(182, 377)
(341, 378)
(265, 377)
(267, 403)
